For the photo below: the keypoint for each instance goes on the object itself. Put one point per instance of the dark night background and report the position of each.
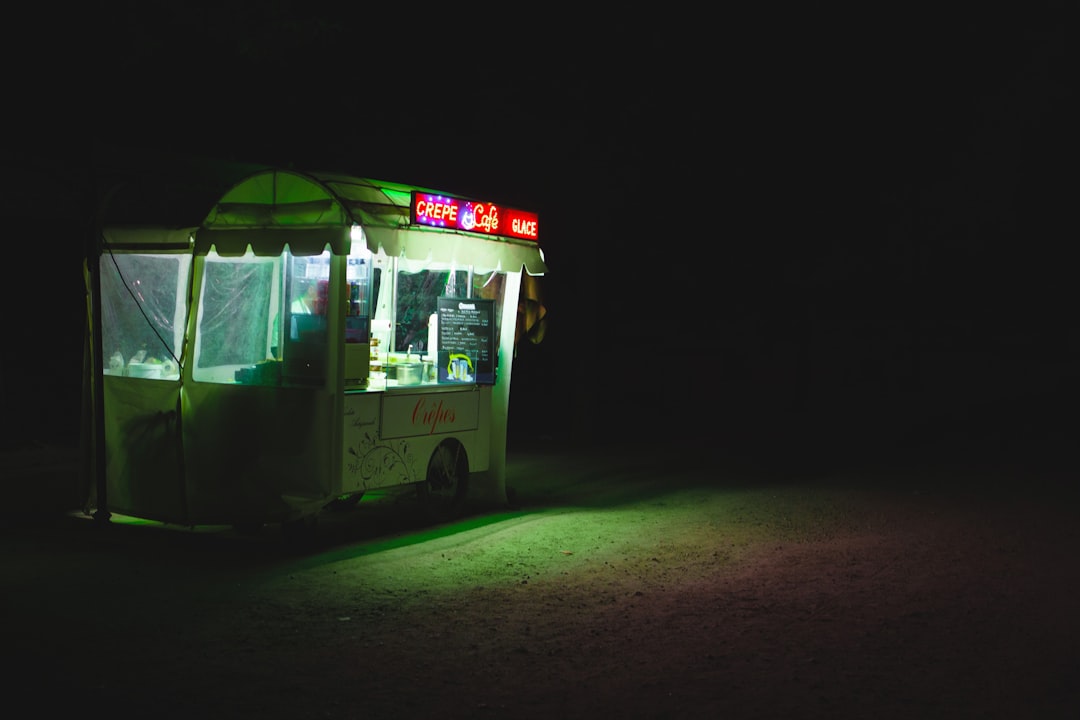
(791, 234)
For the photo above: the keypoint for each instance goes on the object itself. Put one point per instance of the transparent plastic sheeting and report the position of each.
(143, 313)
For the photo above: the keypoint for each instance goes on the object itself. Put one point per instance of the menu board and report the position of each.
(466, 341)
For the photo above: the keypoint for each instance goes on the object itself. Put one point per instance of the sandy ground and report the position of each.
(615, 585)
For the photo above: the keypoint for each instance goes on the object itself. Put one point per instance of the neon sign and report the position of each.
(485, 218)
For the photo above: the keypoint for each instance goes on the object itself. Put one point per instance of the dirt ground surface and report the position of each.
(613, 585)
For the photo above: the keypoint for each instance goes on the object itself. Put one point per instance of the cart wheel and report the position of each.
(442, 495)
(345, 502)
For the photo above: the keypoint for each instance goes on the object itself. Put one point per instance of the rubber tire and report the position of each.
(443, 493)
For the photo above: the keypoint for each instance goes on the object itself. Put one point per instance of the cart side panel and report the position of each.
(142, 449)
(388, 438)
(256, 454)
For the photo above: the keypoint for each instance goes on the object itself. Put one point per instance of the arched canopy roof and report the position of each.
(311, 211)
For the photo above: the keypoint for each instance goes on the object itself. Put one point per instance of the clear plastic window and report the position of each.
(418, 294)
(304, 346)
(238, 320)
(143, 313)
(416, 337)
(417, 298)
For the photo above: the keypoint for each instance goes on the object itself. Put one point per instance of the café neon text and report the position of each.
(471, 216)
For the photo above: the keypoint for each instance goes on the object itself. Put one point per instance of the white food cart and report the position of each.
(317, 336)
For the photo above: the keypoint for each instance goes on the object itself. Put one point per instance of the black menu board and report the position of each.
(466, 341)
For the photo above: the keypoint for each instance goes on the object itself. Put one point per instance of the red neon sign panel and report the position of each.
(485, 218)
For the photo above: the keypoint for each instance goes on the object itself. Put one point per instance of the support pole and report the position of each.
(500, 401)
(93, 259)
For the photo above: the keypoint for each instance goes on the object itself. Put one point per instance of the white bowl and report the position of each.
(144, 370)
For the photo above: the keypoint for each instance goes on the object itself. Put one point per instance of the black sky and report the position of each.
(792, 204)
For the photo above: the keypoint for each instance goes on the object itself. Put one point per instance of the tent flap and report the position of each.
(272, 241)
(455, 249)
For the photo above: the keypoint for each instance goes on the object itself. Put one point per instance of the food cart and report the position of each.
(317, 336)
